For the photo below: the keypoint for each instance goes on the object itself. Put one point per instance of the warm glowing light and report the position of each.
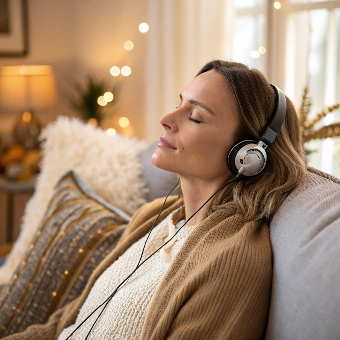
(26, 116)
(144, 27)
(255, 54)
(54, 294)
(262, 50)
(108, 96)
(128, 45)
(111, 132)
(124, 122)
(101, 101)
(115, 71)
(93, 121)
(24, 70)
(126, 71)
(277, 5)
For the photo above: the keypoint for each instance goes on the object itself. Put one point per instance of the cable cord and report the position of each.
(106, 302)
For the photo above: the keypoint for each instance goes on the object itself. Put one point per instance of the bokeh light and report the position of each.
(108, 96)
(128, 45)
(143, 27)
(93, 121)
(255, 54)
(101, 101)
(124, 122)
(126, 71)
(262, 50)
(277, 5)
(111, 132)
(24, 70)
(26, 116)
(115, 71)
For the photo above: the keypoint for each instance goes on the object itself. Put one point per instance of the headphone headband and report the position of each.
(279, 115)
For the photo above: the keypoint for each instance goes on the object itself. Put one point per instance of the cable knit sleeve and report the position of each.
(225, 292)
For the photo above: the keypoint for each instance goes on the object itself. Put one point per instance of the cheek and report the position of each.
(203, 147)
(209, 149)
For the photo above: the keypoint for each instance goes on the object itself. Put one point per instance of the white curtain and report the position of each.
(183, 36)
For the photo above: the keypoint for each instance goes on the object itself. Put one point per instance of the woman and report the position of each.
(214, 280)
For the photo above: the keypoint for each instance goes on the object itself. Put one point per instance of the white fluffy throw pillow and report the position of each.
(109, 164)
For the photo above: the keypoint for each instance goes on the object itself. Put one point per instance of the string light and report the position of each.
(108, 96)
(126, 71)
(143, 27)
(93, 121)
(101, 101)
(277, 5)
(128, 45)
(262, 50)
(27, 116)
(115, 71)
(124, 122)
(111, 132)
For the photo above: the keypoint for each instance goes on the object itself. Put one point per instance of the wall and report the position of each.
(185, 36)
(79, 38)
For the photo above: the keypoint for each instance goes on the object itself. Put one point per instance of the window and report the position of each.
(296, 45)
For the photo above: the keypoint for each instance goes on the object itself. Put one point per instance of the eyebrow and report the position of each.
(195, 102)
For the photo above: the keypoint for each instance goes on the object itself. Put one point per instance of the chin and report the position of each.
(162, 162)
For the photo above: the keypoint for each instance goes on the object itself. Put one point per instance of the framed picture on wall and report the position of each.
(13, 28)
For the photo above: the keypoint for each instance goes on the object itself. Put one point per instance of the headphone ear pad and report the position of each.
(231, 159)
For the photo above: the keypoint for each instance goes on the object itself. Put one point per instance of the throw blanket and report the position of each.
(217, 286)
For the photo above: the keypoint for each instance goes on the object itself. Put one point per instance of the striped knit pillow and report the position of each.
(77, 232)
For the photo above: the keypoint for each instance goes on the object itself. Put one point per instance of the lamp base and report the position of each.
(27, 130)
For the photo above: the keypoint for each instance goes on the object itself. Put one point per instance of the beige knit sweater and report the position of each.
(217, 287)
(124, 316)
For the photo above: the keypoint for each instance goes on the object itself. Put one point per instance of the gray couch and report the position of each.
(305, 236)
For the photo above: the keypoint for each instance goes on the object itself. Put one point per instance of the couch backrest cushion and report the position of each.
(305, 235)
(159, 182)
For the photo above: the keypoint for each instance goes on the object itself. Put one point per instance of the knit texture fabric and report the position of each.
(216, 287)
(124, 316)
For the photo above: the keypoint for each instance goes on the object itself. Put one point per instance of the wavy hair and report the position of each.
(260, 196)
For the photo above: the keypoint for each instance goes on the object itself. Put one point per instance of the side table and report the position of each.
(10, 191)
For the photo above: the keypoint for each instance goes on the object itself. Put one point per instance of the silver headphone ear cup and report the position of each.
(231, 158)
(255, 161)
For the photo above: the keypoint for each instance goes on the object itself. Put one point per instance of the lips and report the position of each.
(164, 143)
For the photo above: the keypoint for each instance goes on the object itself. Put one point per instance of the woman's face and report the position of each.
(201, 130)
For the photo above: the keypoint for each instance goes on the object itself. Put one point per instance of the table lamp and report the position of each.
(27, 88)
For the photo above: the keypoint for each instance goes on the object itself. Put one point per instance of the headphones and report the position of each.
(250, 156)
(244, 159)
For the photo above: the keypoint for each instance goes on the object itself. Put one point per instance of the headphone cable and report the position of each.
(106, 302)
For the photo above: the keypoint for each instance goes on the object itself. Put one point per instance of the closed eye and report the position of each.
(192, 119)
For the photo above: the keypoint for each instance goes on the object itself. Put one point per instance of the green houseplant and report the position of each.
(86, 101)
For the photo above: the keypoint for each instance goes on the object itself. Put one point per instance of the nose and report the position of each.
(169, 121)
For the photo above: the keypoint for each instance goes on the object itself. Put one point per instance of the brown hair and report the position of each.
(261, 195)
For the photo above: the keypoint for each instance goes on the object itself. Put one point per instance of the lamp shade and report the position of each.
(27, 87)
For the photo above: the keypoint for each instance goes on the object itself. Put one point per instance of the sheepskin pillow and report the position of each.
(78, 231)
(109, 164)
